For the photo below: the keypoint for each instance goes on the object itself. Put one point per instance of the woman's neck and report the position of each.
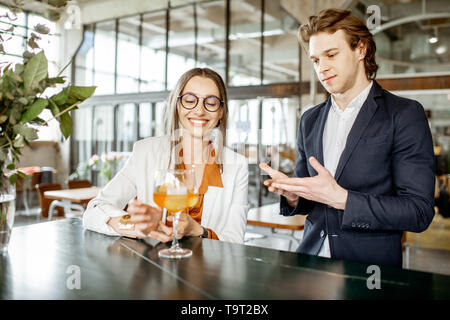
(195, 150)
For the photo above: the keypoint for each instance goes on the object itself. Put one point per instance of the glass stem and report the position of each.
(175, 244)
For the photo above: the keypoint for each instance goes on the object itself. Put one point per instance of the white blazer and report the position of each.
(224, 209)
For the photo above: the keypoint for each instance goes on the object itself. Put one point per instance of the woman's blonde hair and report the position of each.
(171, 117)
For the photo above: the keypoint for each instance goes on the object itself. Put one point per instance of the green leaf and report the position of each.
(34, 110)
(39, 122)
(28, 133)
(54, 108)
(23, 175)
(35, 70)
(52, 15)
(9, 95)
(28, 55)
(32, 43)
(19, 142)
(18, 69)
(13, 178)
(65, 125)
(23, 101)
(41, 28)
(57, 3)
(77, 93)
(55, 80)
(61, 98)
(16, 77)
(10, 166)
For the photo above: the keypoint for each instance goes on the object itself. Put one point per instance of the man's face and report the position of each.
(337, 65)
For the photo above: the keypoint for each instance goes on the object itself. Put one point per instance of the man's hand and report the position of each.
(291, 198)
(320, 188)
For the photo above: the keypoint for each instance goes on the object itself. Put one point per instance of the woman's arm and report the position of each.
(112, 199)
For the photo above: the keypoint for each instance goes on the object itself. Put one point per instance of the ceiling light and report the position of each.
(441, 49)
(434, 37)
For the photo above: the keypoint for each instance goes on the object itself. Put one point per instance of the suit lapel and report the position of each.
(359, 126)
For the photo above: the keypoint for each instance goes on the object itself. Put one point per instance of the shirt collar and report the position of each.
(356, 103)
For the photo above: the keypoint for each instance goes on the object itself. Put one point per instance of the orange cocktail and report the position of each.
(175, 202)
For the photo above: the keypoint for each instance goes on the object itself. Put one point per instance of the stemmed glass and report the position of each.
(175, 190)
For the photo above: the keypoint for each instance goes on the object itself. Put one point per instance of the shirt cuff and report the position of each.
(96, 219)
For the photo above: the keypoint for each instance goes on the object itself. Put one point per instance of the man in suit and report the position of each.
(365, 167)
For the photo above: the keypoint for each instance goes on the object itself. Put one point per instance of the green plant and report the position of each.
(23, 96)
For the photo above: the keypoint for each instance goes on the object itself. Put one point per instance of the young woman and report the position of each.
(195, 122)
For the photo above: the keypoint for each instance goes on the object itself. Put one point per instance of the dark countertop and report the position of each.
(44, 260)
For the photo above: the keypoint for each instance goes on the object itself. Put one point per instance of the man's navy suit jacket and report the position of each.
(387, 167)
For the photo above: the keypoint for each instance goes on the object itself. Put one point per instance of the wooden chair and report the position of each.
(75, 184)
(44, 202)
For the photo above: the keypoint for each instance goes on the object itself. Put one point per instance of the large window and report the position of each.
(104, 57)
(16, 43)
(144, 55)
(153, 51)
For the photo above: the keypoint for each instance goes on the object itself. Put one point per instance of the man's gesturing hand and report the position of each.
(291, 198)
(320, 188)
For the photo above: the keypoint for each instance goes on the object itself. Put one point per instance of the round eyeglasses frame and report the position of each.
(198, 99)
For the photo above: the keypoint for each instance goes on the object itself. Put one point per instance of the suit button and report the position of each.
(322, 233)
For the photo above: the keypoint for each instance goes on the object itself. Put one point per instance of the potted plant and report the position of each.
(23, 96)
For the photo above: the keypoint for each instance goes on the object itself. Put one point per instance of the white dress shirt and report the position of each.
(337, 128)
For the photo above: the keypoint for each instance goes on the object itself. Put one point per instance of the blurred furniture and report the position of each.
(47, 174)
(75, 184)
(70, 199)
(266, 220)
(27, 186)
(44, 202)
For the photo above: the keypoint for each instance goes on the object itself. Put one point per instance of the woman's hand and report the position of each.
(130, 233)
(144, 217)
(186, 227)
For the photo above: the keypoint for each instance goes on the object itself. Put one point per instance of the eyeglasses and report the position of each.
(189, 101)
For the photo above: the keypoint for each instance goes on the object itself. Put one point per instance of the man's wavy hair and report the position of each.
(332, 20)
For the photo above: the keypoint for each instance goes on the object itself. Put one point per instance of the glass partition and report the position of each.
(153, 52)
(105, 57)
(281, 56)
(181, 55)
(128, 55)
(211, 22)
(245, 43)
